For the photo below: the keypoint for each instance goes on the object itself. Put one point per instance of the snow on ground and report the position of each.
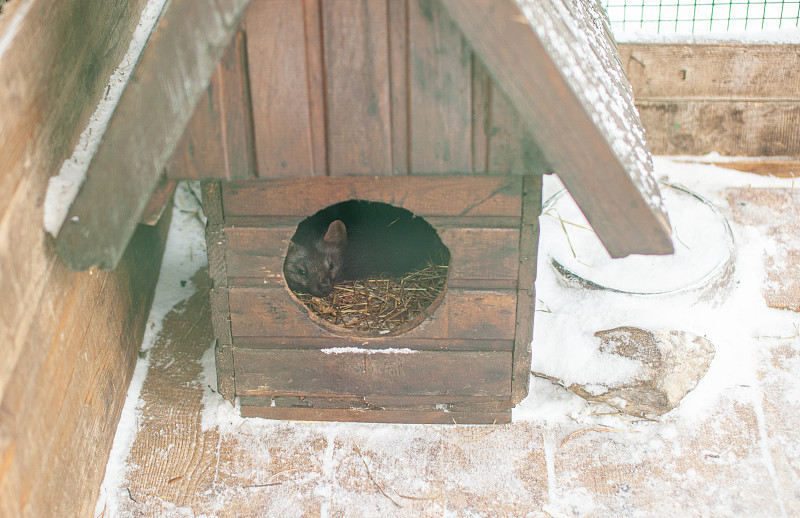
(184, 255)
(737, 321)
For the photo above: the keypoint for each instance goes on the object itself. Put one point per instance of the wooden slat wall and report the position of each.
(359, 125)
(281, 87)
(69, 340)
(217, 142)
(380, 87)
(730, 98)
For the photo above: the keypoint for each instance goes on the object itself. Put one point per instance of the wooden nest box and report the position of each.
(451, 109)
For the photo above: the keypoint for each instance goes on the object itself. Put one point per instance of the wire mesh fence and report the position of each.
(702, 16)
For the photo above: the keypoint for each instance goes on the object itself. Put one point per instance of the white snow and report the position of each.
(566, 318)
(63, 187)
(184, 255)
(771, 36)
(359, 350)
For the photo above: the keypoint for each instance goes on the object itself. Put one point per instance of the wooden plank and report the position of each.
(272, 312)
(526, 291)
(357, 87)
(462, 196)
(481, 114)
(172, 73)
(510, 148)
(376, 402)
(780, 167)
(399, 341)
(64, 396)
(736, 128)
(439, 96)
(576, 112)
(289, 372)
(378, 416)
(223, 348)
(217, 141)
(159, 201)
(255, 256)
(53, 77)
(212, 202)
(730, 71)
(55, 413)
(216, 247)
(398, 70)
(279, 88)
(316, 86)
(730, 98)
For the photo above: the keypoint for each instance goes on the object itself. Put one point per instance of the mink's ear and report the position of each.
(292, 247)
(336, 234)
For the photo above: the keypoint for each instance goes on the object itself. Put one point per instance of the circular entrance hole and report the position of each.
(367, 268)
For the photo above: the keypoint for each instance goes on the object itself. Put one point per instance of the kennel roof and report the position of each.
(346, 88)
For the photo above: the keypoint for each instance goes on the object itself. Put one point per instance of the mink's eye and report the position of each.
(302, 272)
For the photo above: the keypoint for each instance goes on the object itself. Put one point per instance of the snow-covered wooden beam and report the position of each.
(559, 66)
(173, 72)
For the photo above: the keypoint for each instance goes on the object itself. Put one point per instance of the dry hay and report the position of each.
(381, 305)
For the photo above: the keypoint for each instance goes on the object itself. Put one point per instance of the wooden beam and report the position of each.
(172, 74)
(558, 67)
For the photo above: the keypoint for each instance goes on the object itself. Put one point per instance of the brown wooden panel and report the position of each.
(721, 71)
(279, 88)
(316, 85)
(481, 91)
(289, 372)
(223, 348)
(735, 128)
(217, 142)
(255, 255)
(454, 195)
(511, 149)
(266, 312)
(378, 416)
(526, 294)
(398, 63)
(357, 87)
(440, 98)
(400, 341)
(159, 201)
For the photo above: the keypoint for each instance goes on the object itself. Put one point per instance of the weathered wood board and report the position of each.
(471, 351)
(173, 71)
(737, 99)
(69, 339)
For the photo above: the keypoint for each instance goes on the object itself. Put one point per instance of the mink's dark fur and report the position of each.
(356, 240)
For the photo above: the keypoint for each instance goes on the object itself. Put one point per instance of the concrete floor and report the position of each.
(741, 458)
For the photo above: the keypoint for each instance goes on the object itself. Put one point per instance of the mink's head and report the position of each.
(313, 266)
